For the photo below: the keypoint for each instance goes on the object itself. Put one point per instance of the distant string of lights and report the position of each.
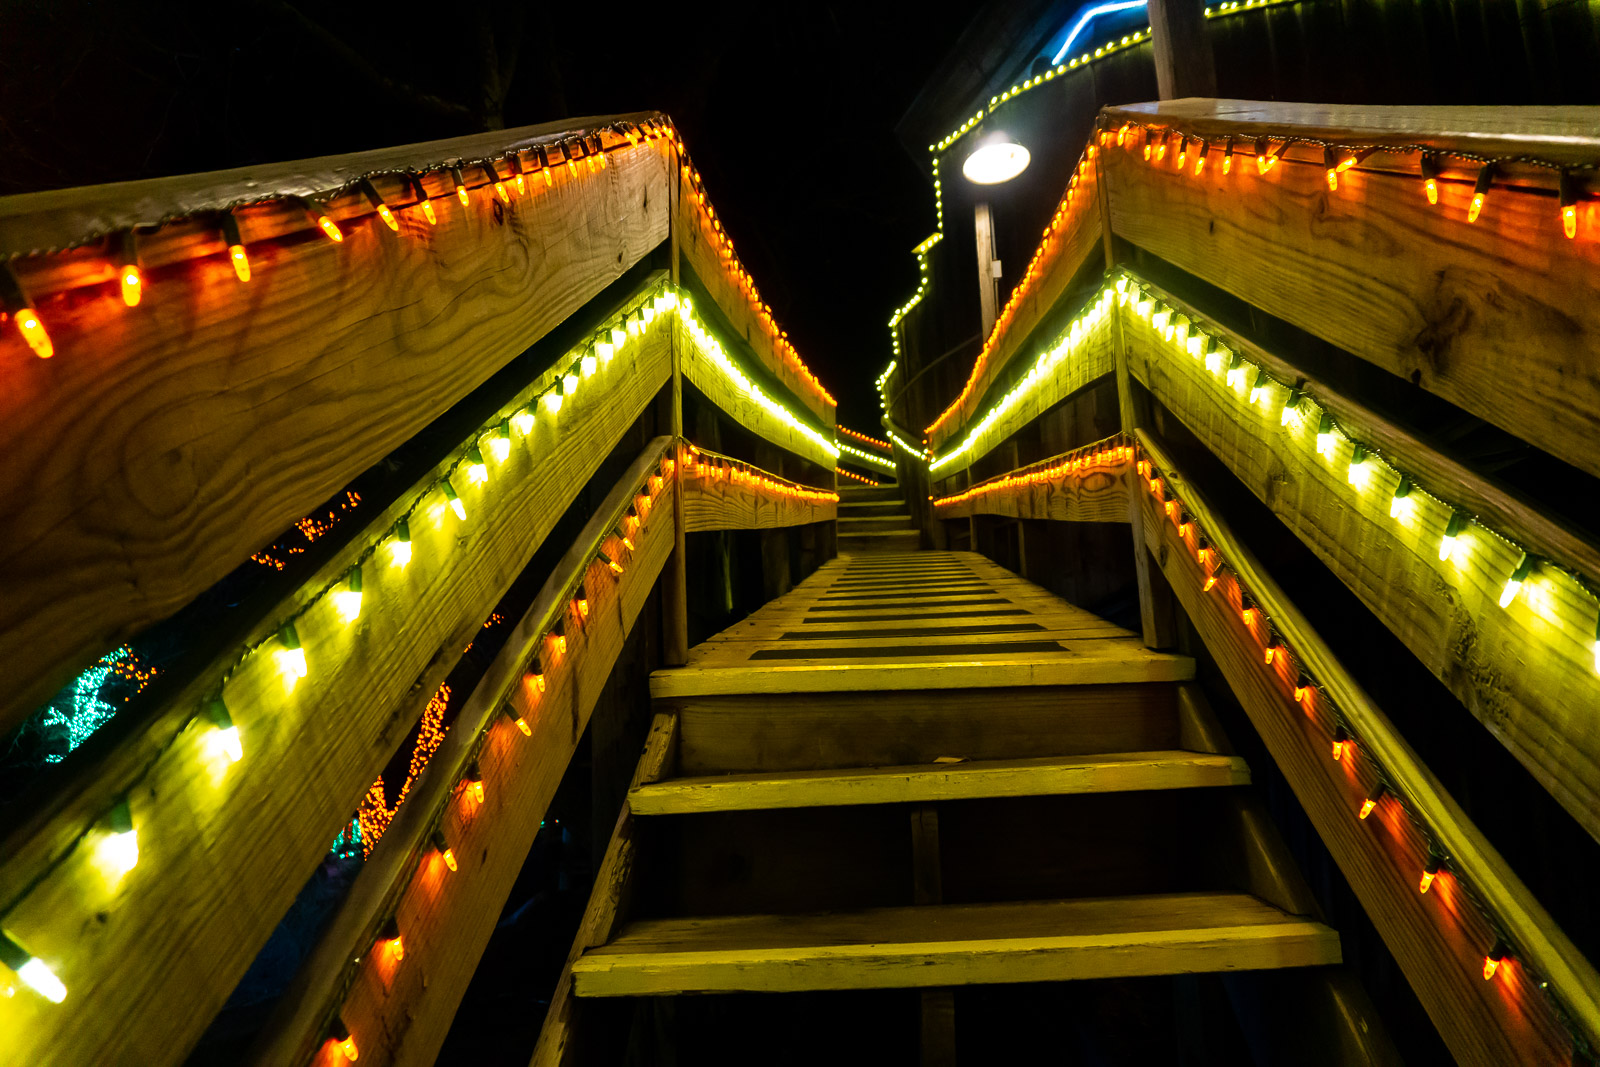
(707, 466)
(1291, 674)
(863, 438)
(862, 478)
(116, 832)
(881, 462)
(1043, 257)
(1111, 454)
(916, 450)
(1077, 332)
(524, 169)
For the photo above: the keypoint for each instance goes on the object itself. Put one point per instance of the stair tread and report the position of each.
(955, 944)
(1035, 776)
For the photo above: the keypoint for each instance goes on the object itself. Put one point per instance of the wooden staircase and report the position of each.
(921, 772)
(875, 519)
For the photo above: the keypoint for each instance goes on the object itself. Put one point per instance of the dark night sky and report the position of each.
(788, 111)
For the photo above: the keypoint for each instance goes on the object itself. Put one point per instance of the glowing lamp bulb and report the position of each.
(1492, 961)
(1402, 493)
(1333, 179)
(523, 421)
(552, 401)
(34, 972)
(442, 847)
(330, 228)
(389, 938)
(400, 547)
(1569, 220)
(121, 846)
(500, 445)
(521, 723)
(560, 642)
(348, 599)
(618, 336)
(1271, 654)
(241, 262)
(33, 332)
(452, 499)
(1258, 391)
(534, 678)
(1452, 530)
(477, 470)
(1325, 435)
(1429, 872)
(1339, 743)
(1476, 207)
(461, 194)
(1514, 584)
(591, 363)
(522, 184)
(1430, 188)
(388, 218)
(1358, 467)
(340, 1036)
(428, 213)
(1249, 616)
(1302, 690)
(1211, 581)
(1366, 808)
(500, 191)
(604, 350)
(132, 285)
(475, 783)
(583, 606)
(227, 736)
(290, 656)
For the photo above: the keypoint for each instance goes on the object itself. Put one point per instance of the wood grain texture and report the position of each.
(1439, 939)
(1526, 672)
(698, 242)
(240, 841)
(1040, 776)
(720, 502)
(1497, 317)
(165, 444)
(1066, 248)
(527, 768)
(940, 945)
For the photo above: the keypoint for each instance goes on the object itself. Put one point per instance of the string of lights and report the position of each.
(1290, 672)
(873, 458)
(127, 249)
(1102, 457)
(863, 438)
(707, 466)
(450, 492)
(862, 478)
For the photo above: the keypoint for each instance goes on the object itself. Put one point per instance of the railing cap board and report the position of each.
(1534, 934)
(55, 219)
(1565, 136)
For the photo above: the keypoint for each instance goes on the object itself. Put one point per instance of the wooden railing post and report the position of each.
(675, 584)
(1184, 66)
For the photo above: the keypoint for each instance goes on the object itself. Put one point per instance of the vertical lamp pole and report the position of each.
(997, 159)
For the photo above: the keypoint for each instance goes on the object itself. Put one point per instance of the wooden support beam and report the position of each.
(225, 849)
(399, 1011)
(1527, 671)
(162, 446)
(608, 901)
(1439, 938)
(1492, 316)
(1184, 66)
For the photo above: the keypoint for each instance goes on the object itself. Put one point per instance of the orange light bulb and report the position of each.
(1211, 580)
(1249, 616)
(428, 213)
(330, 228)
(461, 194)
(1333, 179)
(1271, 654)
(1366, 808)
(449, 858)
(348, 1047)
(241, 262)
(477, 790)
(1490, 965)
(1476, 208)
(33, 332)
(1569, 220)
(1427, 880)
(522, 724)
(1431, 188)
(132, 284)
(1338, 749)
(388, 218)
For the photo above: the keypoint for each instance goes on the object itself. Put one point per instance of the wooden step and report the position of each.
(1112, 773)
(855, 524)
(947, 945)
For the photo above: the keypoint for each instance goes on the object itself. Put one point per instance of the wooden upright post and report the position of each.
(1155, 595)
(988, 295)
(1184, 66)
(675, 581)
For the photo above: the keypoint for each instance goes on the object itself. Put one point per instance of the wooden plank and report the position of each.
(723, 497)
(241, 841)
(1047, 490)
(162, 446)
(608, 902)
(705, 249)
(399, 1011)
(1527, 672)
(1184, 66)
(1493, 316)
(1050, 775)
(1040, 941)
(1067, 667)
(702, 369)
(1073, 238)
(1439, 939)
(1093, 359)
(784, 732)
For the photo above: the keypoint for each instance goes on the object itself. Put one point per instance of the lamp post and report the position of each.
(996, 160)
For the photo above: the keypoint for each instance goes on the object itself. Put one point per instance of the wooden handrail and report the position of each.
(723, 493)
(1516, 669)
(1481, 1022)
(1087, 484)
(299, 1022)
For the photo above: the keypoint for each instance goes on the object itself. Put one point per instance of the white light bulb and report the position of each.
(121, 851)
(499, 448)
(552, 402)
(602, 349)
(229, 742)
(522, 422)
(1447, 547)
(39, 978)
(1513, 587)
(400, 553)
(292, 663)
(348, 603)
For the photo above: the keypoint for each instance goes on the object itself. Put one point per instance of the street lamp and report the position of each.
(997, 159)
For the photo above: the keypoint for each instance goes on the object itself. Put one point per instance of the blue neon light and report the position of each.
(1103, 9)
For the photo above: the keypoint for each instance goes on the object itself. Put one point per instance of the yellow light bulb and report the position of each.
(33, 332)
(329, 228)
(500, 448)
(241, 262)
(348, 602)
(132, 285)
(1476, 207)
(429, 214)
(388, 218)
